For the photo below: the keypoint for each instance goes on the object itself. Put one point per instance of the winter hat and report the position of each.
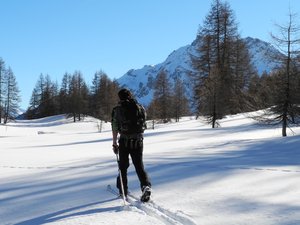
(124, 94)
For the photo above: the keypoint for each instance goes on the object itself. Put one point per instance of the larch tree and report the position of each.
(180, 105)
(286, 100)
(79, 95)
(162, 97)
(105, 96)
(222, 64)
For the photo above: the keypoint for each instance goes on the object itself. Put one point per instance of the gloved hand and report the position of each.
(116, 149)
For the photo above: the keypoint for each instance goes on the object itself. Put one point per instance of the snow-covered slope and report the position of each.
(53, 171)
(178, 65)
(261, 52)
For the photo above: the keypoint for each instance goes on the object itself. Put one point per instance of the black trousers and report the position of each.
(134, 148)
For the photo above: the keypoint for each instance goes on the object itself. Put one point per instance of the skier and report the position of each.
(128, 124)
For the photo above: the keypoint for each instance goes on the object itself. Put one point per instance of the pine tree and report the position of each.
(64, 95)
(48, 106)
(12, 98)
(95, 100)
(44, 98)
(36, 99)
(2, 71)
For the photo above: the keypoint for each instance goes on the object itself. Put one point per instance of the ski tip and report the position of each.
(127, 207)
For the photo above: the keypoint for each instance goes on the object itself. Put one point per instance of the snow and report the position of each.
(54, 171)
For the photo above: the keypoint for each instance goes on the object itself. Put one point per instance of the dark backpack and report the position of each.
(132, 117)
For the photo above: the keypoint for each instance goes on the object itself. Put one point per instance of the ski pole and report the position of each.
(121, 179)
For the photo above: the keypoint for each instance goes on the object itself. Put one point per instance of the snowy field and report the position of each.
(53, 171)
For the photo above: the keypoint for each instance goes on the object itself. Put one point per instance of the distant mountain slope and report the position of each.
(259, 50)
(178, 64)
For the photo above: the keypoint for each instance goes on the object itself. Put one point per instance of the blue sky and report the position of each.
(57, 36)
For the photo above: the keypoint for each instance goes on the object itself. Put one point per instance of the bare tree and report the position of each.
(287, 104)
(180, 106)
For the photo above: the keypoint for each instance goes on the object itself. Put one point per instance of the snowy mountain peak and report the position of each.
(178, 64)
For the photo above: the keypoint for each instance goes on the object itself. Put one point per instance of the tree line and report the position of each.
(73, 97)
(9, 93)
(169, 99)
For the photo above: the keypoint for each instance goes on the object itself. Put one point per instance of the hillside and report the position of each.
(53, 171)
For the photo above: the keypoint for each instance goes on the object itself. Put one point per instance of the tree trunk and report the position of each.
(284, 125)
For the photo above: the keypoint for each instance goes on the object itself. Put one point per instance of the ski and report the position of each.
(130, 197)
(136, 199)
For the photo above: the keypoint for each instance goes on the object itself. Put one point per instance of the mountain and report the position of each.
(178, 64)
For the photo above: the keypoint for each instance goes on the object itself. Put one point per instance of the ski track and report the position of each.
(152, 209)
(165, 215)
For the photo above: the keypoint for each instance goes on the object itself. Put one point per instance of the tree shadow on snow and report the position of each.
(268, 155)
(71, 212)
(205, 169)
(58, 193)
(51, 192)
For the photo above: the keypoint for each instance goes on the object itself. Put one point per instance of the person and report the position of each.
(128, 124)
